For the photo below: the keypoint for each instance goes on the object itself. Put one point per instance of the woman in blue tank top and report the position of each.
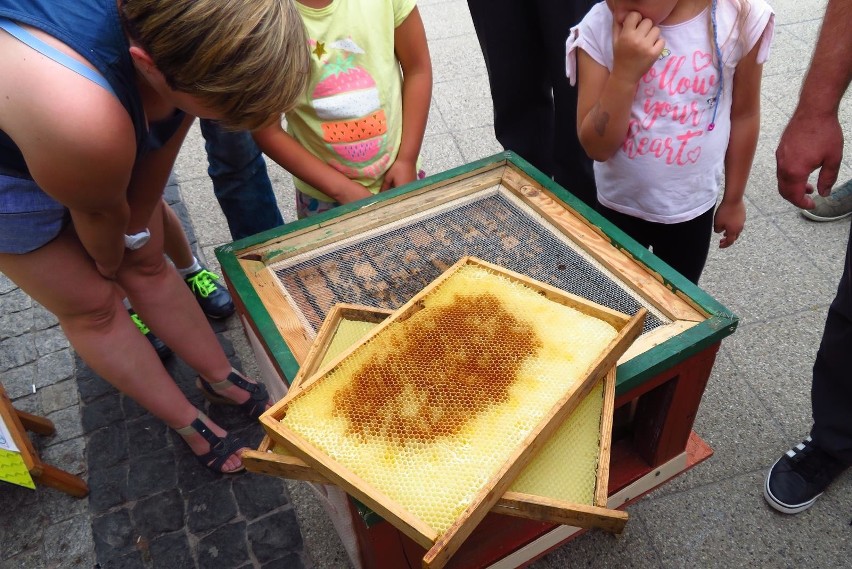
(95, 101)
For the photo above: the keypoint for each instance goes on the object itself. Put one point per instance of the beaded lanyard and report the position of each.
(719, 65)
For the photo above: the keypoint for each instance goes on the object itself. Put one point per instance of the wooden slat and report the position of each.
(374, 215)
(605, 439)
(578, 515)
(266, 285)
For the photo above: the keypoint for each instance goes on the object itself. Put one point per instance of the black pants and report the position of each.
(831, 392)
(535, 108)
(684, 245)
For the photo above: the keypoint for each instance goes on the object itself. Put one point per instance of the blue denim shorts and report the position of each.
(29, 218)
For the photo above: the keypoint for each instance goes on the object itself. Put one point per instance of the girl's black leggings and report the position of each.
(683, 245)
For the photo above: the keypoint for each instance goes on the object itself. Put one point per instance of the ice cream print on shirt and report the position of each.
(682, 90)
(346, 101)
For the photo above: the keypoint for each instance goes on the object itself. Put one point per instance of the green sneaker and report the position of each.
(837, 205)
(215, 300)
(159, 346)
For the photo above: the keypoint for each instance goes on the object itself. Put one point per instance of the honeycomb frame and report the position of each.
(442, 545)
(275, 460)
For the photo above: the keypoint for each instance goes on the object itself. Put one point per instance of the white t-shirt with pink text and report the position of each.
(670, 166)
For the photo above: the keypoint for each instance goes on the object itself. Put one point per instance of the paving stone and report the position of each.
(6, 284)
(58, 506)
(107, 447)
(58, 396)
(151, 474)
(172, 193)
(131, 408)
(42, 317)
(19, 381)
(26, 533)
(29, 403)
(191, 474)
(274, 536)
(50, 340)
(102, 412)
(257, 495)
(14, 301)
(108, 488)
(147, 434)
(17, 351)
(67, 543)
(14, 497)
(69, 455)
(90, 384)
(158, 514)
(226, 344)
(210, 506)
(54, 367)
(172, 551)
(113, 535)
(30, 559)
(16, 323)
(133, 560)
(67, 423)
(225, 547)
(291, 561)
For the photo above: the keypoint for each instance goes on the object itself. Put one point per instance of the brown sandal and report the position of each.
(221, 448)
(254, 406)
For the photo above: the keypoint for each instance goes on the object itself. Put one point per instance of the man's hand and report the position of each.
(809, 143)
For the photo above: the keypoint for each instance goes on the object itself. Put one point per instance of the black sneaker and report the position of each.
(161, 348)
(799, 477)
(215, 300)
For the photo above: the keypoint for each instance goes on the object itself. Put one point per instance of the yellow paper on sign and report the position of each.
(13, 469)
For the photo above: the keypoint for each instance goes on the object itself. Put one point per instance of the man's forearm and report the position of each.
(831, 69)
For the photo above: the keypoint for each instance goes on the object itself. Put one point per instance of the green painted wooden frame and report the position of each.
(721, 322)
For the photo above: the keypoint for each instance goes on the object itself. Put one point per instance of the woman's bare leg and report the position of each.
(90, 310)
(168, 307)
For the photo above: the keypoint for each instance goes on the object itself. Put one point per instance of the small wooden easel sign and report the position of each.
(12, 466)
(19, 462)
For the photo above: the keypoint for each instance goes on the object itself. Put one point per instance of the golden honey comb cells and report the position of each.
(428, 410)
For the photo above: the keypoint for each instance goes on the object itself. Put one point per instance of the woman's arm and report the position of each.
(412, 52)
(150, 176)
(605, 99)
(293, 157)
(82, 156)
(745, 128)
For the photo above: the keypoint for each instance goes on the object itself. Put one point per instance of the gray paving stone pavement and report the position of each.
(152, 506)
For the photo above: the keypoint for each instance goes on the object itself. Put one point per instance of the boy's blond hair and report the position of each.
(247, 59)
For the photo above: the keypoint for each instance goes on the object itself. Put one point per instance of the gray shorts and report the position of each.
(29, 218)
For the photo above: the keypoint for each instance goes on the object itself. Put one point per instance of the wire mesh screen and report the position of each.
(385, 267)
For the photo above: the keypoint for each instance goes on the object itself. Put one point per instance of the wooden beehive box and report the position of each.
(462, 384)
(379, 252)
(554, 487)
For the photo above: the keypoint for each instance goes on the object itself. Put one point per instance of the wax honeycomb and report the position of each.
(428, 410)
(566, 468)
(348, 332)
